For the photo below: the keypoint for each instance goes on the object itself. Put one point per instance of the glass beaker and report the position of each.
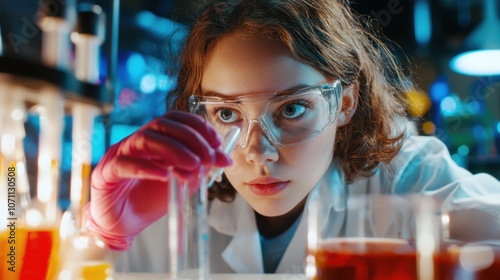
(362, 237)
(470, 247)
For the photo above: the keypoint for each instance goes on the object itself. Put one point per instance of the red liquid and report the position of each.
(41, 255)
(390, 259)
(371, 259)
(448, 266)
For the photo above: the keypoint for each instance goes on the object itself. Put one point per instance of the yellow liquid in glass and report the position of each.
(12, 270)
(96, 271)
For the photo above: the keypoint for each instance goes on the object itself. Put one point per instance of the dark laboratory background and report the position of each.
(459, 103)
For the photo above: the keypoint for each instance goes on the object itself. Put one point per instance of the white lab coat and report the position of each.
(423, 165)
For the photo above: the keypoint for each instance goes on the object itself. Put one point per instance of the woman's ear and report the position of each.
(349, 103)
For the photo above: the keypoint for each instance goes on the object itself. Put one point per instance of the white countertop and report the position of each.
(154, 276)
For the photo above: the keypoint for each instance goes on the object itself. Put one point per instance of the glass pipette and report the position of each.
(227, 147)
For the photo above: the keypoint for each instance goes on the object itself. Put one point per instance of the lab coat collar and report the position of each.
(243, 253)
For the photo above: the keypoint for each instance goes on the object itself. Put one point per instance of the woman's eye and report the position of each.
(227, 115)
(293, 110)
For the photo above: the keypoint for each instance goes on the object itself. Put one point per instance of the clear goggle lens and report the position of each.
(285, 118)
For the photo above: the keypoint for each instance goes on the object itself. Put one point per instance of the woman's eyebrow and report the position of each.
(288, 91)
(292, 90)
(214, 94)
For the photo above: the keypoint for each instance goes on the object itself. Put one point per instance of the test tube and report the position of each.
(41, 255)
(173, 225)
(203, 228)
(42, 218)
(179, 218)
(49, 154)
(12, 143)
(81, 158)
(185, 214)
(88, 37)
(56, 24)
(10, 219)
(18, 117)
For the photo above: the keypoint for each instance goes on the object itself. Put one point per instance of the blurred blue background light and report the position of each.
(148, 83)
(423, 23)
(477, 63)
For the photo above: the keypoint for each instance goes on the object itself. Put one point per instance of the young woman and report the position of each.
(318, 98)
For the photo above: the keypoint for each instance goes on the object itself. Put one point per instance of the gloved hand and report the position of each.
(129, 186)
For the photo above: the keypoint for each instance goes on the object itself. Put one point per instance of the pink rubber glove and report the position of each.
(130, 184)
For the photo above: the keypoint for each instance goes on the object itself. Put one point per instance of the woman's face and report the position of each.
(273, 179)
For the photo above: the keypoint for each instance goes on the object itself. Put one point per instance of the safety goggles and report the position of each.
(285, 118)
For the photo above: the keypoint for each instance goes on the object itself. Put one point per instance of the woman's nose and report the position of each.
(259, 149)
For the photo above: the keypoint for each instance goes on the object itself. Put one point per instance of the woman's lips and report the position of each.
(267, 186)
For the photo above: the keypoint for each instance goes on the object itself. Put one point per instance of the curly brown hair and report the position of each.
(330, 37)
